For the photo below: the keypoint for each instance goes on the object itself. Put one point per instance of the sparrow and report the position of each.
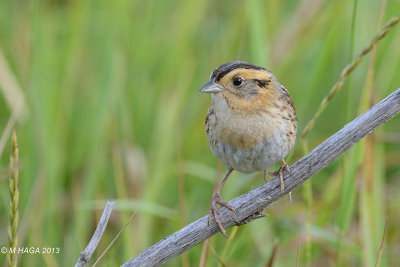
(250, 125)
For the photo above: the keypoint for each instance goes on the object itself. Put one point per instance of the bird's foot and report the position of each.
(280, 173)
(216, 199)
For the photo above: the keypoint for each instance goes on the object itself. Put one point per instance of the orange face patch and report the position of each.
(246, 74)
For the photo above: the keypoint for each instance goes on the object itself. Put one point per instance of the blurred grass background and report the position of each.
(111, 111)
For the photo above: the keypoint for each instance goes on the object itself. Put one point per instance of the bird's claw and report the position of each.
(280, 173)
(216, 199)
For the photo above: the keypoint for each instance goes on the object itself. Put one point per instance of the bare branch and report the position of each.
(259, 198)
(113, 241)
(101, 227)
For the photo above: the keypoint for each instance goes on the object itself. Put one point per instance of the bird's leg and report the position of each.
(280, 173)
(216, 199)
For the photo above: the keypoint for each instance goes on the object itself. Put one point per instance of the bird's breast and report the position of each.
(242, 130)
(242, 133)
(248, 142)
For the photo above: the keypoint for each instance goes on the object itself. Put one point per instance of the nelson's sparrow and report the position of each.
(251, 123)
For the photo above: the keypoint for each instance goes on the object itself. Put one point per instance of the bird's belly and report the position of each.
(260, 156)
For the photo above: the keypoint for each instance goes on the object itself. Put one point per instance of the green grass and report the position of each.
(113, 112)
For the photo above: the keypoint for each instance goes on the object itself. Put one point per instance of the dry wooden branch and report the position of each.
(91, 247)
(251, 204)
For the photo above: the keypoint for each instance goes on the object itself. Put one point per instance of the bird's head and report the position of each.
(241, 80)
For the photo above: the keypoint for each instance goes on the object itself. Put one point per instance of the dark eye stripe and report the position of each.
(262, 83)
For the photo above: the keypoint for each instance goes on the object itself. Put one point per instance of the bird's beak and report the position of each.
(211, 87)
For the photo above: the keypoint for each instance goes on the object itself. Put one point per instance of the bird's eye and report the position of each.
(237, 81)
